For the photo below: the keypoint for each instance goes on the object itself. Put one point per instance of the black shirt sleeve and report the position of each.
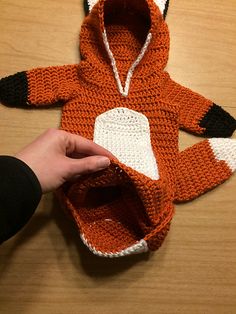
(20, 193)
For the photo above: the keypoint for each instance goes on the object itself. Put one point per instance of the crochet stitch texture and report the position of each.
(120, 96)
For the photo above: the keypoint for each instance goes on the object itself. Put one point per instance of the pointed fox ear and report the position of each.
(88, 5)
(162, 4)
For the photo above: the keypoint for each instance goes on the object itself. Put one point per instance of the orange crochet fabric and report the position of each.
(120, 96)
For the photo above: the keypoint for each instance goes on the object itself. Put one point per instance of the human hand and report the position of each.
(57, 156)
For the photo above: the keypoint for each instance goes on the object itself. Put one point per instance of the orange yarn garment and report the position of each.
(118, 207)
(144, 207)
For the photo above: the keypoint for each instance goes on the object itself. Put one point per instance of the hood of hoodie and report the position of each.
(122, 41)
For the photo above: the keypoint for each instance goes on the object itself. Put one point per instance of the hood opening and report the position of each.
(112, 218)
(109, 211)
(133, 15)
(119, 211)
(126, 36)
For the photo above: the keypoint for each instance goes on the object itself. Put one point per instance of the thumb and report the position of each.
(87, 165)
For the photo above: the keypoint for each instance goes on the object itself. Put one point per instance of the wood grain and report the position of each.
(45, 268)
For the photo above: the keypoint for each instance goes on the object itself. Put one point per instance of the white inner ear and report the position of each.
(91, 3)
(126, 134)
(160, 3)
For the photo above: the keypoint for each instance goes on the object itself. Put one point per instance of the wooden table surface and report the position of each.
(46, 268)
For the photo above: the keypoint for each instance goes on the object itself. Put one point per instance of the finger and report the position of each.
(86, 165)
(80, 145)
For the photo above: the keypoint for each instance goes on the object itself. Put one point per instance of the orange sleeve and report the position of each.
(198, 114)
(40, 86)
(198, 170)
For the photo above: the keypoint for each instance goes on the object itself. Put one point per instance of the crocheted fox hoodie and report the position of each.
(121, 97)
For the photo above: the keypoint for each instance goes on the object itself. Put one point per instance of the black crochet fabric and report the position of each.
(86, 7)
(218, 122)
(166, 8)
(13, 90)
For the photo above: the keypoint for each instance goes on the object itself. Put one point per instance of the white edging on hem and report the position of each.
(140, 247)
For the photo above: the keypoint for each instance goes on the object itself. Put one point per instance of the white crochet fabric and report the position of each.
(137, 248)
(225, 149)
(126, 134)
(160, 3)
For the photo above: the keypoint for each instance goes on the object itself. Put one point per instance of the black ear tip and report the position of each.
(166, 8)
(86, 7)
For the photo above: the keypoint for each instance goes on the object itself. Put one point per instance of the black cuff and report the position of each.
(14, 90)
(20, 193)
(218, 123)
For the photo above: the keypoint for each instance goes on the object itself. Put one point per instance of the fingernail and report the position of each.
(103, 162)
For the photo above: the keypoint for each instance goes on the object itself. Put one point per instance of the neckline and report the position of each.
(124, 90)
